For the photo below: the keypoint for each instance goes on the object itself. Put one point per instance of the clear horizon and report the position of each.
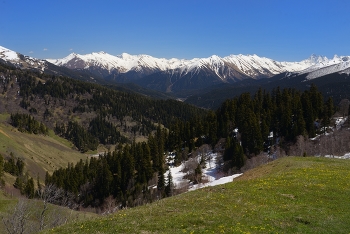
(280, 30)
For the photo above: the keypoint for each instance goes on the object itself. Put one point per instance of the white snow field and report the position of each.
(211, 174)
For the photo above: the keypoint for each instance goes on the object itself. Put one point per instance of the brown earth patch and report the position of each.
(1, 131)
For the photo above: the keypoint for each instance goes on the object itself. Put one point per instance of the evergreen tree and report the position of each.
(198, 173)
(298, 122)
(228, 150)
(237, 156)
(212, 128)
(251, 134)
(146, 161)
(161, 182)
(29, 188)
(103, 180)
(169, 185)
(327, 113)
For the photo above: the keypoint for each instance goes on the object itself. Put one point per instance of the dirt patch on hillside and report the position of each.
(1, 131)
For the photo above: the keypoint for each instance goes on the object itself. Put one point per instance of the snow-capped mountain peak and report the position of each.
(20, 60)
(231, 67)
(8, 55)
(321, 65)
(207, 71)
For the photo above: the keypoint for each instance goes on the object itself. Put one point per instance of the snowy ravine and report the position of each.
(210, 173)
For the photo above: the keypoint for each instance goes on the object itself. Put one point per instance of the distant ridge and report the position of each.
(177, 75)
(225, 68)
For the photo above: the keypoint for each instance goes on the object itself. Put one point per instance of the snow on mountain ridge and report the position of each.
(250, 65)
(229, 67)
(20, 60)
(7, 54)
(323, 66)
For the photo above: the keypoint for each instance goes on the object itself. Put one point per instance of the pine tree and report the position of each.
(228, 150)
(327, 113)
(161, 182)
(146, 161)
(103, 180)
(29, 188)
(308, 114)
(212, 128)
(169, 185)
(238, 156)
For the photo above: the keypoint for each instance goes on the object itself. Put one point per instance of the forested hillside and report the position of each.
(132, 172)
(86, 112)
(333, 85)
(250, 124)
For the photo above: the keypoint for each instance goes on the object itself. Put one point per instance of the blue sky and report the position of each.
(283, 30)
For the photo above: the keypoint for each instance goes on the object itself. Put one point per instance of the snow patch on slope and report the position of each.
(252, 65)
(21, 61)
(210, 173)
(323, 66)
(345, 156)
(8, 55)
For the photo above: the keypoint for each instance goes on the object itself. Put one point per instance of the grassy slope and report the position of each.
(289, 195)
(40, 153)
(7, 204)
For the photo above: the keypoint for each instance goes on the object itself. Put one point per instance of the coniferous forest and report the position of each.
(250, 124)
(88, 115)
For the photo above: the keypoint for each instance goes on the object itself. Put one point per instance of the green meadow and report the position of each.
(40, 153)
(289, 195)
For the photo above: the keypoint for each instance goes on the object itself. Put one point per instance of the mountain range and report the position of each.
(176, 75)
(182, 77)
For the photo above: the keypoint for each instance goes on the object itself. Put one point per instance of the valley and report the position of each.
(101, 142)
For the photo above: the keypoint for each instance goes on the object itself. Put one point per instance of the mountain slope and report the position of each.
(335, 85)
(336, 65)
(12, 58)
(40, 153)
(289, 195)
(249, 65)
(183, 78)
(57, 100)
(175, 75)
(22, 61)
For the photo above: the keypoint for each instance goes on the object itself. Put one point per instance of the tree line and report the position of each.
(110, 111)
(250, 124)
(125, 174)
(27, 123)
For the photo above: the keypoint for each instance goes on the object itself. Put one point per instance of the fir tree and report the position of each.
(169, 185)
(161, 182)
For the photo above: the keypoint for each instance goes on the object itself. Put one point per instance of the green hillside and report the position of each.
(40, 153)
(32, 210)
(289, 195)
